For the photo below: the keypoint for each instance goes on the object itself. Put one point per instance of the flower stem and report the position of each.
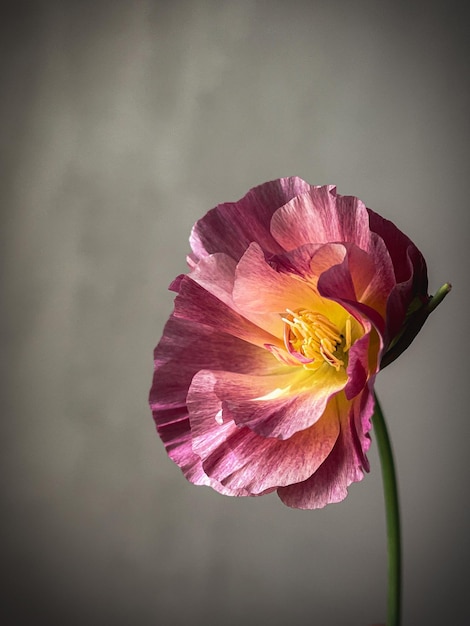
(438, 297)
(392, 516)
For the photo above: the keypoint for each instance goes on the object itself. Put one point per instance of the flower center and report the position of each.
(314, 339)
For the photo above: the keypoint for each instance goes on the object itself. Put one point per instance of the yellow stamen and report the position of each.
(315, 337)
(327, 354)
(347, 343)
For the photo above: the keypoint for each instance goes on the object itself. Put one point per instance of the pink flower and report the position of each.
(264, 375)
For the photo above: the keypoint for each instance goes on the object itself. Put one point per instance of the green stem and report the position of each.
(392, 516)
(438, 297)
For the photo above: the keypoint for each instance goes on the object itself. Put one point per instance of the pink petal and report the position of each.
(216, 274)
(282, 355)
(363, 413)
(361, 362)
(408, 262)
(409, 268)
(372, 274)
(321, 216)
(296, 410)
(196, 304)
(176, 435)
(263, 294)
(309, 261)
(343, 466)
(241, 459)
(277, 405)
(184, 349)
(232, 226)
(339, 284)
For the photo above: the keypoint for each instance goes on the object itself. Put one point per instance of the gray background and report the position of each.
(124, 122)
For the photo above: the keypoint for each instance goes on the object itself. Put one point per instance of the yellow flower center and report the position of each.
(315, 340)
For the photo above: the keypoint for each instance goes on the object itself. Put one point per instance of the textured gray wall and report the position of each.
(122, 123)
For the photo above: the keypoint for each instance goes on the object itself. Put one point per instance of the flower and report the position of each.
(264, 375)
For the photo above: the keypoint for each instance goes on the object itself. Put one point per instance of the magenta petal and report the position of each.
(363, 413)
(241, 459)
(408, 262)
(402, 297)
(343, 466)
(231, 227)
(358, 367)
(409, 268)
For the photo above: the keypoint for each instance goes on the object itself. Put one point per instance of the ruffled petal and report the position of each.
(411, 280)
(216, 274)
(363, 413)
(263, 294)
(408, 262)
(239, 458)
(177, 437)
(358, 369)
(277, 405)
(343, 466)
(309, 261)
(354, 283)
(321, 216)
(187, 347)
(231, 227)
(373, 277)
(184, 349)
(194, 303)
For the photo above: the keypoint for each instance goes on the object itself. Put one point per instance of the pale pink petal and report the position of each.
(354, 221)
(277, 405)
(231, 227)
(241, 459)
(196, 304)
(216, 274)
(262, 294)
(308, 261)
(287, 414)
(343, 466)
(282, 355)
(321, 216)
